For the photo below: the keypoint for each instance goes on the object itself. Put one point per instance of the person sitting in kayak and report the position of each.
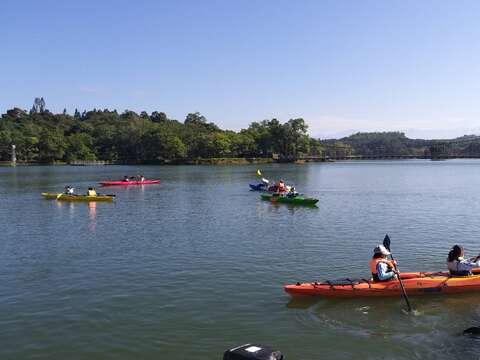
(141, 178)
(69, 190)
(292, 192)
(458, 265)
(91, 192)
(382, 269)
(281, 188)
(126, 178)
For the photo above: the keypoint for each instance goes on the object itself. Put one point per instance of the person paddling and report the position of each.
(69, 190)
(91, 192)
(458, 265)
(292, 192)
(381, 268)
(281, 188)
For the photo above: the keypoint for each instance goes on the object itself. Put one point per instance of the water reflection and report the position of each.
(72, 209)
(303, 302)
(92, 211)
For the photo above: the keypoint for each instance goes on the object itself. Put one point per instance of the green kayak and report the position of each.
(297, 200)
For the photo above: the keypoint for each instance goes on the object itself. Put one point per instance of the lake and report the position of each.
(196, 265)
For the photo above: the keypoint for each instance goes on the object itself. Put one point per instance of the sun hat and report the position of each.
(380, 249)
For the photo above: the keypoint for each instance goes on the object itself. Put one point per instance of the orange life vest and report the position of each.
(374, 263)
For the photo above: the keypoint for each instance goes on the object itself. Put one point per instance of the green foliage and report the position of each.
(79, 147)
(131, 137)
(384, 144)
(51, 145)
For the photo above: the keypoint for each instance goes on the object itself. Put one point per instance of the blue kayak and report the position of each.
(258, 187)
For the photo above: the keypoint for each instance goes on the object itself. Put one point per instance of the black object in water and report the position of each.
(252, 352)
(474, 331)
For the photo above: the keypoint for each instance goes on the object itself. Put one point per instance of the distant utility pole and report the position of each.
(14, 155)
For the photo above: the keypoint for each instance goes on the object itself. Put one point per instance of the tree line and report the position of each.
(131, 137)
(395, 143)
(41, 136)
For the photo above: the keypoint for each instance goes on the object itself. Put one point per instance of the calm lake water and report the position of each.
(188, 268)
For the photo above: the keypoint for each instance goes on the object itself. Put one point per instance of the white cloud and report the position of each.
(88, 89)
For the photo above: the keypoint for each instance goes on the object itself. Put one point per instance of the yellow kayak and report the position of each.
(65, 197)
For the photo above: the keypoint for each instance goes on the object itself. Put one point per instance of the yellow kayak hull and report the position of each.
(65, 197)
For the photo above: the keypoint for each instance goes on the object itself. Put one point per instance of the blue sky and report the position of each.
(343, 66)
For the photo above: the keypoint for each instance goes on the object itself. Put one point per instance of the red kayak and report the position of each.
(126, 183)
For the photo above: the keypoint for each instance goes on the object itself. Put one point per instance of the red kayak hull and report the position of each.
(128, 183)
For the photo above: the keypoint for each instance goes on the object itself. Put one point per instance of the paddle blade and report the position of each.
(386, 242)
(259, 173)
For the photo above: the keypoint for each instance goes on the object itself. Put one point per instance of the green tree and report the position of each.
(51, 146)
(79, 147)
(160, 144)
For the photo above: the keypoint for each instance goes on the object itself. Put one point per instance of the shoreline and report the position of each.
(211, 161)
(223, 161)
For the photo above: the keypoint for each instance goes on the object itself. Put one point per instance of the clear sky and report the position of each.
(343, 66)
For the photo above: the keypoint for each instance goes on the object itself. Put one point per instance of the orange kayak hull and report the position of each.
(415, 284)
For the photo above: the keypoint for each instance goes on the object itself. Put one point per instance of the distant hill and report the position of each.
(396, 143)
(385, 143)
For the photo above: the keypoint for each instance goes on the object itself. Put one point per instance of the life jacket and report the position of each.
(92, 193)
(453, 269)
(373, 266)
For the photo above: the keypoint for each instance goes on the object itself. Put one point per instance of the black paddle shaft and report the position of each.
(386, 243)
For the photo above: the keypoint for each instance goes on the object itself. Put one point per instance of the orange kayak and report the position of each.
(416, 283)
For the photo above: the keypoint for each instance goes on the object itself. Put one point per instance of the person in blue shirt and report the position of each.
(381, 267)
(458, 265)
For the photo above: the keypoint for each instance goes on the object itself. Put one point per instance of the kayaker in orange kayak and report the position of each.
(458, 265)
(381, 268)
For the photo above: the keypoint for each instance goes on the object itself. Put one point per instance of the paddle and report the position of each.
(386, 243)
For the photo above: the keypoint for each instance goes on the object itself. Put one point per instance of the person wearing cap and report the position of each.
(458, 265)
(382, 269)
